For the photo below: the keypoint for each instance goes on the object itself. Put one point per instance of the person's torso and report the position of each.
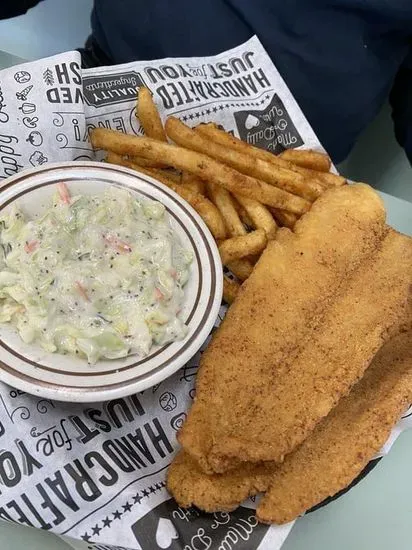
(338, 57)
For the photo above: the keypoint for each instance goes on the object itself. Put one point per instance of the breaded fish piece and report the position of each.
(341, 446)
(365, 313)
(190, 486)
(329, 459)
(280, 310)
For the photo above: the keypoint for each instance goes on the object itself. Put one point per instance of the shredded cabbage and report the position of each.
(96, 276)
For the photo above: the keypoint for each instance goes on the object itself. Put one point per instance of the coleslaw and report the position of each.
(96, 276)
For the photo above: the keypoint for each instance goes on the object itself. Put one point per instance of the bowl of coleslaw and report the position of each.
(109, 281)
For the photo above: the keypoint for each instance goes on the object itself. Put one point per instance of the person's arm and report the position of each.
(401, 102)
(12, 8)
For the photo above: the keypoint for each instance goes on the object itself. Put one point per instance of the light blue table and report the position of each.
(376, 514)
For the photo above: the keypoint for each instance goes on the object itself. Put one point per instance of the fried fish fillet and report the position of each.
(362, 317)
(190, 486)
(306, 324)
(329, 459)
(341, 446)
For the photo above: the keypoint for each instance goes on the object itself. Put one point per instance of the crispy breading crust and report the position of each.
(361, 318)
(260, 390)
(190, 486)
(329, 459)
(342, 445)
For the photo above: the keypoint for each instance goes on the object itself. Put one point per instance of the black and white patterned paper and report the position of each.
(95, 473)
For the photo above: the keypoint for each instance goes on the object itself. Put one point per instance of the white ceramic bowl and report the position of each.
(66, 378)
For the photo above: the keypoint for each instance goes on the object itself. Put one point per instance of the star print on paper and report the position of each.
(86, 537)
(117, 515)
(127, 507)
(222, 106)
(134, 500)
(137, 498)
(107, 522)
(96, 530)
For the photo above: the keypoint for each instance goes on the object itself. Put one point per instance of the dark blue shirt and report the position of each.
(340, 58)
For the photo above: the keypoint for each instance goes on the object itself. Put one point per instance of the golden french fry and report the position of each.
(203, 206)
(114, 158)
(199, 164)
(169, 173)
(246, 164)
(329, 179)
(230, 289)
(148, 115)
(239, 247)
(206, 209)
(243, 215)
(222, 137)
(146, 163)
(254, 259)
(308, 159)
(260, 216)
(225, 204)
(285, 219)
(160, 175)
(193, 182)
(241, 268)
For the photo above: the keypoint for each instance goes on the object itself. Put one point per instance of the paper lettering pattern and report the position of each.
(96, 472)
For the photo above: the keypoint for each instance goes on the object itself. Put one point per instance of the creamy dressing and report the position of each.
(96, 276)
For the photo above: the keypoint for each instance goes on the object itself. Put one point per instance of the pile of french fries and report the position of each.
(242, 192)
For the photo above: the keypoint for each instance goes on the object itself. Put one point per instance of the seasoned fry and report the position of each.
(241, 269)
(308, 159)
(146, 163)
(170, 174)
(285, 219)
(203, 206)
(207, 211)
(260, 216)
(230, 289)
(148, 115)
(161, 175)
(222, 137)
(243, 215)
(193, 182)
(246, 164)
(200, 165)
(254, 259)
(329, 179)
(225, 204)
(239, 247)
